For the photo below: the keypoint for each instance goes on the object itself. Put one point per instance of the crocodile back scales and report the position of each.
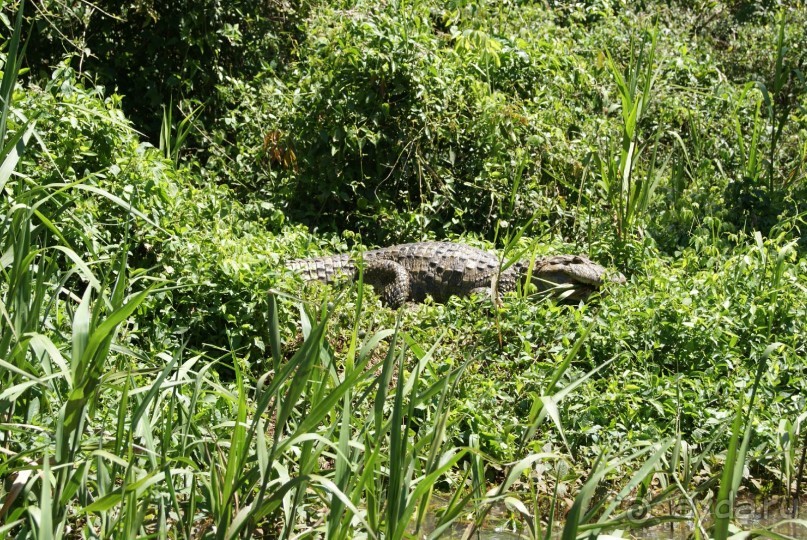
(439, 269)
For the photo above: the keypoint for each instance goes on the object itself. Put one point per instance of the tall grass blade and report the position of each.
(10, 72)
(46, 530)
(275, 343)
(736, 453)
(13, 152)
(398, 444)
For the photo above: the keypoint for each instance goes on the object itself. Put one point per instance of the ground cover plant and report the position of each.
(162, 375)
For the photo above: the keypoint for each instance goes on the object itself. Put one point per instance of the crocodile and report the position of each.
(410, 272)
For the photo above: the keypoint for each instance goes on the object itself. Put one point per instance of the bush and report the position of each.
(157, 52)
(195, 238)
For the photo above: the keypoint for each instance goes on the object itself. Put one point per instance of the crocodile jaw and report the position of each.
(572, 277)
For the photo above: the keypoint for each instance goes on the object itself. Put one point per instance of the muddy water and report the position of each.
(748, 514)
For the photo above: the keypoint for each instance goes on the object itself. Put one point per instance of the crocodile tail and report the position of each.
(326, 269)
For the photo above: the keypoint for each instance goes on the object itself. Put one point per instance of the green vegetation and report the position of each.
(163, 376)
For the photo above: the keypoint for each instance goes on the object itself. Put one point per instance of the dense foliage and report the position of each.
(161, 373)
(159, 53)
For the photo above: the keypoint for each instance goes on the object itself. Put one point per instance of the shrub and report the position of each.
(158, 52)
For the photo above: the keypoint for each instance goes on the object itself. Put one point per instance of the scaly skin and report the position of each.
(410, 272)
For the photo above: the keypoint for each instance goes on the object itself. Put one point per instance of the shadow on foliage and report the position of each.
(156, 51)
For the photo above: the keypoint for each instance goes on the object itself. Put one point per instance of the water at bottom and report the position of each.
(775, 514)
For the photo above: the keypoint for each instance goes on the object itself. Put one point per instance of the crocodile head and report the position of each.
(572, 277)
